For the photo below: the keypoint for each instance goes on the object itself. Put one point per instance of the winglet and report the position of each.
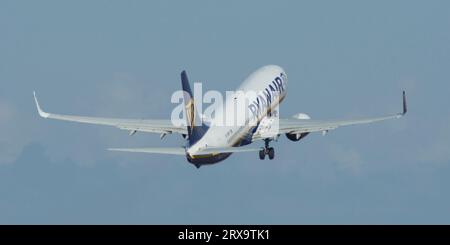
(41, 112)
(405, 107)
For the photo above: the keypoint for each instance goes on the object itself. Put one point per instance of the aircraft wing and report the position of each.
(298, 126)
(133, 125)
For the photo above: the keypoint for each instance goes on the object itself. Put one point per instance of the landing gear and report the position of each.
(267, 151)
(262, 154)
(271, 153)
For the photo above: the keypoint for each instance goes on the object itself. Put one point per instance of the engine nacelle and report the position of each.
(297, 137)
(301, 116)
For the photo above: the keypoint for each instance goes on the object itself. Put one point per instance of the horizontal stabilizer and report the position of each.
(216, 150)
(182, 151)
(160, 150)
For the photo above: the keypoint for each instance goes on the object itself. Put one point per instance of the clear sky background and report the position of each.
(344, 59)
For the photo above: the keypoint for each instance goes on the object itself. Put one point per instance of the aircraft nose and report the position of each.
(283, 76)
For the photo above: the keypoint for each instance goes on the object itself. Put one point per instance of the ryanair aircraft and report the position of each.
(214, 142)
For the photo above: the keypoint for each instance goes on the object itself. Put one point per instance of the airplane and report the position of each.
(210, 144)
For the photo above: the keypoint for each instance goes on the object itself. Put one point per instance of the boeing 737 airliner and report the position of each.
(209, 144)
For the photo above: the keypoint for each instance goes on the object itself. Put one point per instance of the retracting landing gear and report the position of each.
(271, 153)
(267, 151)
(262, 154)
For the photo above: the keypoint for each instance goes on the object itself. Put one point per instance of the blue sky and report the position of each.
(123, 58)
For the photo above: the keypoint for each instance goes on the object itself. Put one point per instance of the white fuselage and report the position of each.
(264, 89)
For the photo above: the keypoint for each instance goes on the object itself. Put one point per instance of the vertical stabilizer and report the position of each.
(193, 121)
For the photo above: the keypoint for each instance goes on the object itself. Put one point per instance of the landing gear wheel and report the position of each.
(271, 153)
(267, 151)
(262, 154)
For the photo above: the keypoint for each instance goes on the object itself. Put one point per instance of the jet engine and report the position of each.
(297, 137)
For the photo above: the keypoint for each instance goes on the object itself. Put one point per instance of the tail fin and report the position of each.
(194, 124)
